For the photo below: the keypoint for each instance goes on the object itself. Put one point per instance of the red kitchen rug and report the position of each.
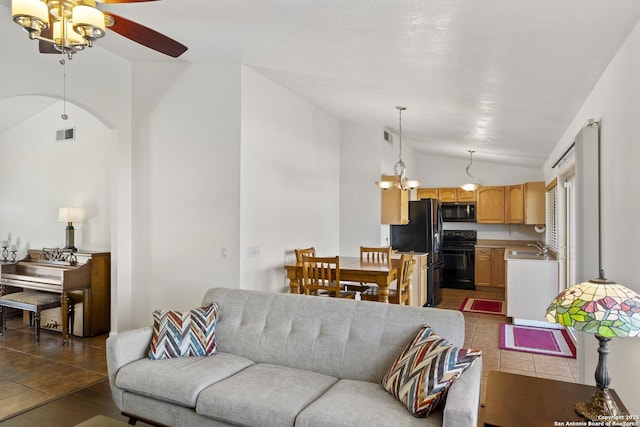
(484, 306)
(552, 342)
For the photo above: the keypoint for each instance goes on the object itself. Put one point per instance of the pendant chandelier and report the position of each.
(472, 186)
(68, 25)
(399, 169)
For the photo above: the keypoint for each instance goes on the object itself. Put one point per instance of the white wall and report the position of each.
(360, 168)
(290, 181)
(615, 103)
(39, 175)
(186, 183)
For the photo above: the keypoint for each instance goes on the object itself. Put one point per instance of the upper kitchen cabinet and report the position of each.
(428, 193)
(466, 196)
(490, 205)
(395, 204)
(514, 204)
(447, 194)
(524, 203)
(534, 203)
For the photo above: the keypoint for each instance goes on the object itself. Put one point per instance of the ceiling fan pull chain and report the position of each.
(64, 87)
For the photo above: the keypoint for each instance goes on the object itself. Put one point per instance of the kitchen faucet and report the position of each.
(542, 248)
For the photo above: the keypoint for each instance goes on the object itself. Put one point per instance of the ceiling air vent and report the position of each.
(388, 137)
(63, 135)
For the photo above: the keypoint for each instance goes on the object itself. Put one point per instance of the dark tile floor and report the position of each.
(31, 374)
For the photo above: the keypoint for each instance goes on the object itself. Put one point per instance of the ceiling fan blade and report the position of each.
(146, 36)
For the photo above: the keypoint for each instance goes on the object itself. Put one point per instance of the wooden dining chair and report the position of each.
(321, 276)
(399, 295)
(376, 255)
(371, 255)
(311, 251)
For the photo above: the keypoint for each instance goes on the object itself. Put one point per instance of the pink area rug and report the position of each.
(552, 342)
(484, 306)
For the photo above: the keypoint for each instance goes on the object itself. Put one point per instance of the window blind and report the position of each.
(551, 216)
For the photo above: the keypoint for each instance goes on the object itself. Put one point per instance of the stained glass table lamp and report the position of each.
(605, 309)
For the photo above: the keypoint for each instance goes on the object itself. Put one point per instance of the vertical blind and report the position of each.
(551, 198)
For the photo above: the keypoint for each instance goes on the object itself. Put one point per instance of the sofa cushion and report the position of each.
(423, 372)
(178, 380)
(352, 403)
(179, 334)
(263, 395)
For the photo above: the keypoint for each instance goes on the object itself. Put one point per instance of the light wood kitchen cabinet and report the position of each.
(514, 204)
(428, 193)
(498, 267)
(448, 194)
(395, 204)
(489, 266)
(524, 203)
(490, 205)
(483, 266)
(534, 203)
(466, 196)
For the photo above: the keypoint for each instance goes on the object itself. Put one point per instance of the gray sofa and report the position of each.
(288, 360)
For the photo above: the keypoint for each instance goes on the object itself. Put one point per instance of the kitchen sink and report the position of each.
(527, 253)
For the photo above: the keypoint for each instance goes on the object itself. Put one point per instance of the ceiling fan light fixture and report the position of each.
(32, 15)
(78, 23)
(65, 38)
(89, 22)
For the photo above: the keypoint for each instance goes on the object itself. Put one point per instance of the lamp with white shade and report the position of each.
(70, 215)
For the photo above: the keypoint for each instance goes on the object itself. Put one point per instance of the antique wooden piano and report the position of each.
(49, 270)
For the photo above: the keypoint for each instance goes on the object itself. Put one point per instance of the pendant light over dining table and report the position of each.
(400, 179)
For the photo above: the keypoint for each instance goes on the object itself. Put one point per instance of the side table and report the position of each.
(523, 401)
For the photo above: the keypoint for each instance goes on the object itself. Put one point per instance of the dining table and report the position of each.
(352, 269)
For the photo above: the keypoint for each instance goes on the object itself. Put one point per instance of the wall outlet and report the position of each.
(253, 251)
(225, 252)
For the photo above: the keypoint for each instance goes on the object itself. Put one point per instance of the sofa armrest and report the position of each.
(122, 349)
(463, 398)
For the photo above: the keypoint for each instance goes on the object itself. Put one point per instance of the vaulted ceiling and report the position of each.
(501, 77)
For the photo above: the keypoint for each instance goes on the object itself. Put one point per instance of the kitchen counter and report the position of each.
(526, 252)
(493, 243)
(514, 245)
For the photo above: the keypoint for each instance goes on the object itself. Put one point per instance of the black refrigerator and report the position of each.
(423, 233)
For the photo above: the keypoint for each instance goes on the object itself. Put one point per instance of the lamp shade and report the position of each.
(600, 307)
(30, 8)
(70, 214)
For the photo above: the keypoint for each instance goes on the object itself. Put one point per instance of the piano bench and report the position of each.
(32, 301)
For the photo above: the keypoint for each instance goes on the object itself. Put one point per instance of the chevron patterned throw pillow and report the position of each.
(180, 334)
(424, 371)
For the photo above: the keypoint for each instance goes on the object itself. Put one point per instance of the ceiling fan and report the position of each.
(68, 26)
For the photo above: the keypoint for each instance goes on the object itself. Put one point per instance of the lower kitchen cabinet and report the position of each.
(489, 266)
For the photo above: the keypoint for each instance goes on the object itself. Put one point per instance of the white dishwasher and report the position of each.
(531, 286)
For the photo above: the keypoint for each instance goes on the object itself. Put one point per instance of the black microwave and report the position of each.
(459, 212)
